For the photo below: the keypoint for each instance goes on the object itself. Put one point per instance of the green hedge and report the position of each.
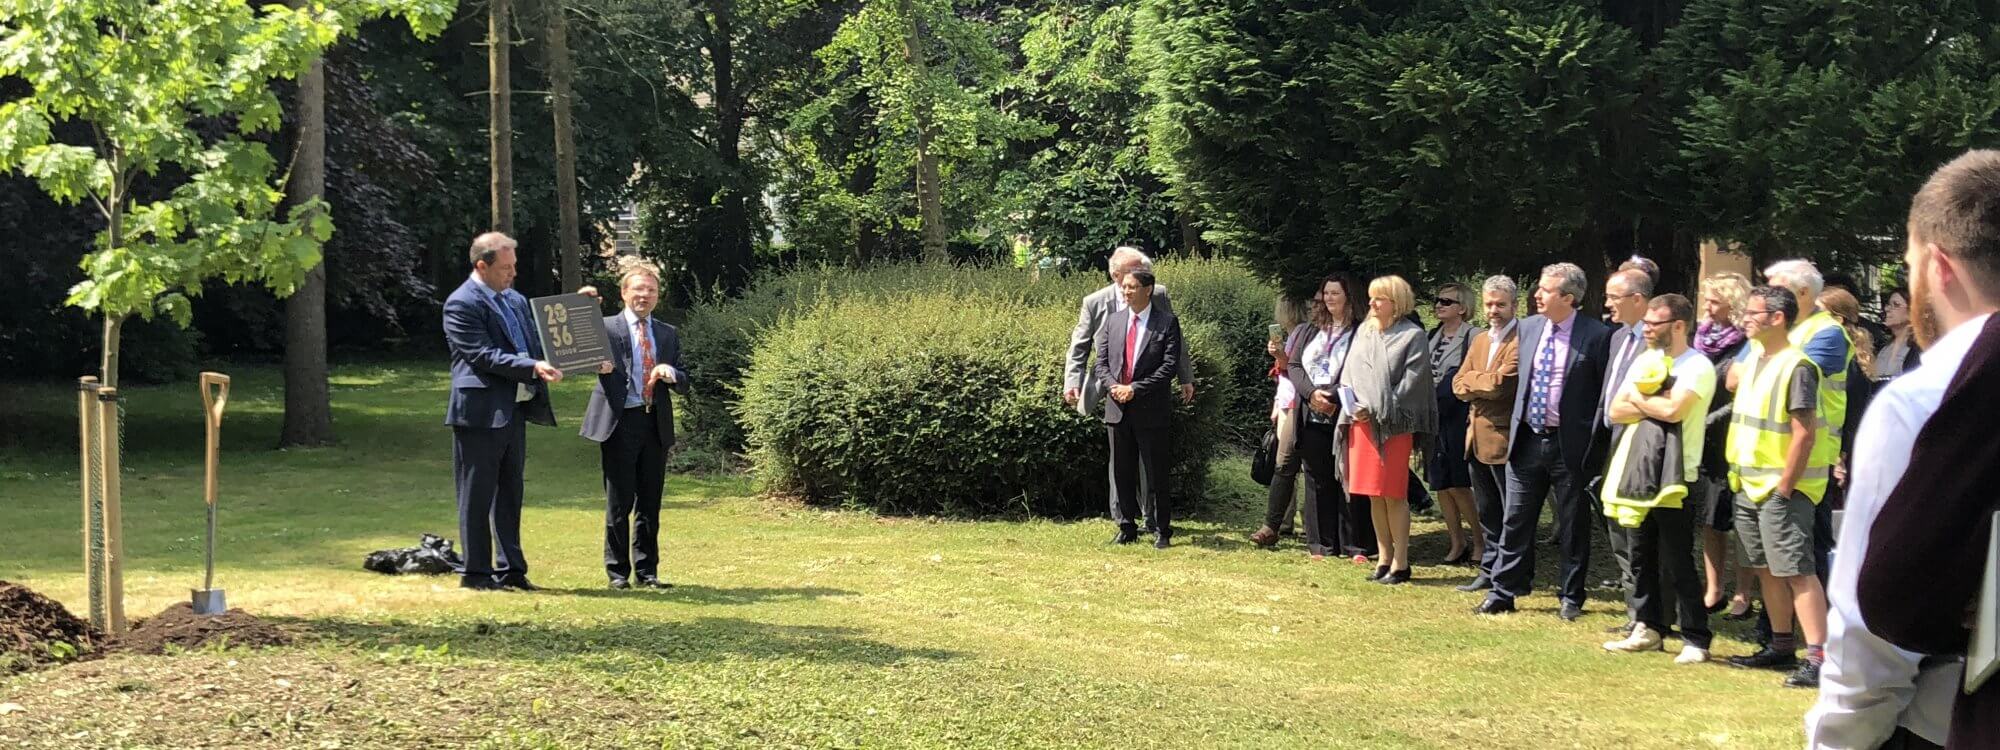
(943, 403)
(719, 336)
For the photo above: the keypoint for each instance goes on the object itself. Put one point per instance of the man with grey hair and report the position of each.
(1081, 387)
(498, 384)
(1550, 434)
(1487, 382)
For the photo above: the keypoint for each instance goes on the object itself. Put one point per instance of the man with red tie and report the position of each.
(631, 418)
(1138, 353)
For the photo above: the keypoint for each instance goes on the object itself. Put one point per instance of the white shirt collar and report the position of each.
(1950, 349)
(482, 283)
(631, 319)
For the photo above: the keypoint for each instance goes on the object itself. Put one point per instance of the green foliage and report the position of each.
(1315, 138)
(942, 403)
(143, 77)
(1238, 305)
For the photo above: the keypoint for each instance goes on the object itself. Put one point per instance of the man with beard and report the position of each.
(1873, 693)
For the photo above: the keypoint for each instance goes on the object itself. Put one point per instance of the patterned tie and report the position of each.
(1131, 348)
(1539, 385)
(645, 358)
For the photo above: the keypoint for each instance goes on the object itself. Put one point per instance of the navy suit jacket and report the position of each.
(1583, 383)
(607, 400)
(1159, 358)
(485, 367)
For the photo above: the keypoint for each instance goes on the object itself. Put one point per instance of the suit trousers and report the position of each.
(1488, 481)
(1538, 470)
(488, 465)
(635, 473)
(1663, 575)
(1138, 453)
(1325, 499)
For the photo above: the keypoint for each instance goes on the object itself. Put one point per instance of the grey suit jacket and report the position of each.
(1077, 372)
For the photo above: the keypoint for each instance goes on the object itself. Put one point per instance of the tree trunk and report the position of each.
(561, 72)
(500, 126)
(308, 407)
(930, 195)
(733, 239)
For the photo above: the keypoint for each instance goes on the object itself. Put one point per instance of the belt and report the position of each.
(1540, 431)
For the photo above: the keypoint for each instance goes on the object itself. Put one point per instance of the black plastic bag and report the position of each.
(432, 556)
(1264, 465)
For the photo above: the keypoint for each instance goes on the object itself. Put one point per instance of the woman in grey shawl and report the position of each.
(1394, 409)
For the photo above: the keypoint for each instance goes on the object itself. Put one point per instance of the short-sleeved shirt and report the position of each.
(1693, 373)
(1804, 394)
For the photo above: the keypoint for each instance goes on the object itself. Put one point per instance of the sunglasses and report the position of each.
(1445, 301)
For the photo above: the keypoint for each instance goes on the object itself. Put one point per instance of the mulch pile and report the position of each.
(178, 625)
(30, 625)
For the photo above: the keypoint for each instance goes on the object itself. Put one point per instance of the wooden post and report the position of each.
(114, 547)
(88, 413)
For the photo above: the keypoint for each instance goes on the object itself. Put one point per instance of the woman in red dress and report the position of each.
(1392, 409)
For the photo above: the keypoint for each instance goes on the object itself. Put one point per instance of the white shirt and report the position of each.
(1498, 336)
(1138, 330)
(1867, 687)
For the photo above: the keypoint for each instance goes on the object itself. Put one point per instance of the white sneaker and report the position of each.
(1642, 639)
(1692, 655)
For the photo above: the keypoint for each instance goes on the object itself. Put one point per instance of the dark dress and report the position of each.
(1446, 468)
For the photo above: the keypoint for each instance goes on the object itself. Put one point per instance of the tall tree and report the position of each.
(562, 73)
(308, 405)
(500, 113)
(150, 83)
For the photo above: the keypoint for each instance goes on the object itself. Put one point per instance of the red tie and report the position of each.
(1131, 348)
(645, 357)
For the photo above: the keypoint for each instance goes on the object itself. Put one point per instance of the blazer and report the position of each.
(1159, 357)
(1090, 318)
(1583, 384)
(1490, 392)
(607, 398)
(485, 366)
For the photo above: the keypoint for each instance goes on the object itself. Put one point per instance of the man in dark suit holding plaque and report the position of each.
(1138, 353)
(631, 418)
(499, 383)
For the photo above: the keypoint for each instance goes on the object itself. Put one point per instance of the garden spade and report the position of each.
(214, 396)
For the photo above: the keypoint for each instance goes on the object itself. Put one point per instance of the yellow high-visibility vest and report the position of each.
(1832, 386)
(1760, 432)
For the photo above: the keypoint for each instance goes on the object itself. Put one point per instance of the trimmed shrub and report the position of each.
(719, 336)
(944, 403)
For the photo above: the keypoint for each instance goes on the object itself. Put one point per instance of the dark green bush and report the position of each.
(943, 403)
(719, 336)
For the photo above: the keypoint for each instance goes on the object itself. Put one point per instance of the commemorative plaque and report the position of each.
(572, 331)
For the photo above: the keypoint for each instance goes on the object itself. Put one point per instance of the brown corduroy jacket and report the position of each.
(1490, 391)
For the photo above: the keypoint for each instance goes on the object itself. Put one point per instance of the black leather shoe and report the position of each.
(1480, 583)
(1395, 578)
(1494, 607)
(1162, 542)
(1766, 658)
(619, 583)
(654, 582)
(1381, 572)
(1570, 612)
(519, 583)
(1806, 676)
(481, 583)
(1125, 536)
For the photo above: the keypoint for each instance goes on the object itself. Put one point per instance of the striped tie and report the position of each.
(1540, 385)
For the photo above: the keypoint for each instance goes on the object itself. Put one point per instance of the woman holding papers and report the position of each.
(1393, 408)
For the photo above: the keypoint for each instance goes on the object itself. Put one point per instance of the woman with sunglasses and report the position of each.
(1447, 472)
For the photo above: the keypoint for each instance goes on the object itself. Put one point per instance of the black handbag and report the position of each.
(1265, 464)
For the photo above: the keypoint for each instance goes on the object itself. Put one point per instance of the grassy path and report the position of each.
(791, 627)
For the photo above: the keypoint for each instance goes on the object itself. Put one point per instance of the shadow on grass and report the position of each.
(696, 594)
(699, 640)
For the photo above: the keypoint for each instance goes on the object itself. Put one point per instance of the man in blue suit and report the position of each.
(499, 383)
(631, 418)
(1552, 442)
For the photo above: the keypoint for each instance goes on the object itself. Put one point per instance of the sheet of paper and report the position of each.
(1982, 654)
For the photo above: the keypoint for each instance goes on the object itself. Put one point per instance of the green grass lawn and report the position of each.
(791, 627)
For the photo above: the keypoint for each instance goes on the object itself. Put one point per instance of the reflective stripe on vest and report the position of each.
(1832, 386)
(1760, 433)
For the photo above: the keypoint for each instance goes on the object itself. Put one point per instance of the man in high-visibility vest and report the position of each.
(1780, 478)
(1823, 340)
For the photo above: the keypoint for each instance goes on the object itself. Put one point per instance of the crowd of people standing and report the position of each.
(1724, 419)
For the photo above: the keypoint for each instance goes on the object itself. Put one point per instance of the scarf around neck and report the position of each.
(1712, 339)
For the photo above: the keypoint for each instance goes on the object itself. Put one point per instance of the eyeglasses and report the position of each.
(1445, 302)
(1653, 323)
(1748, 313)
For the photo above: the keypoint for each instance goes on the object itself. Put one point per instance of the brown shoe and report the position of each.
(1265, 537)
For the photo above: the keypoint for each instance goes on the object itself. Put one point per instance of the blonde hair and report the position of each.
(1845, 308)
(633, 268)
(1398, 291)
(1288, 312)
(1733, 289)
